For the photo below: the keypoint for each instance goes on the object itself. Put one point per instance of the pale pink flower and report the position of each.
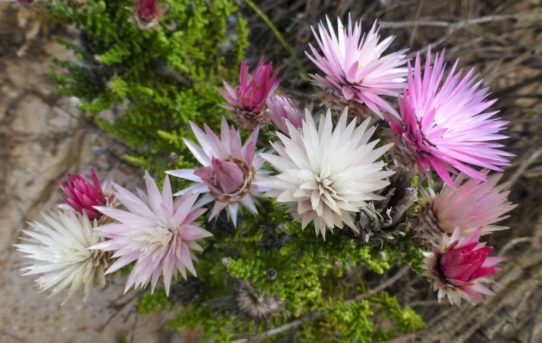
(445, 124)
(474, 204)
(229, 169)
(354, 65)
(155, 232)
(282, 108)
(82, 196)
(459, 267)
(248, 100)
(327, 173)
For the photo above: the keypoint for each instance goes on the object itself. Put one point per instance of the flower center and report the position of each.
(325, 186)
(162, 234)
(416, 137)
(440, 272)
(158, 237)
(248, 176)
(328, 196)
(100, 258)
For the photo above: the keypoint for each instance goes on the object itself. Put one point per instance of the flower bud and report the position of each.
(248, 100)
(147, 13)
(225, 178)
(82, 196)
(281, 108)
(459, 267)
(229, 176)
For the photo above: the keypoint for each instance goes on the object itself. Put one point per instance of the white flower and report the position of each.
(57, 250)
(328, 174)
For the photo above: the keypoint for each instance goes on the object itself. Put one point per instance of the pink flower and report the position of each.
(147, 13)
(282, 108)
(354, 66)
(229, 169)
(474, 204)
(154, 231)
(444, 123)
(459, 268)
(248, 100)
(82, 196)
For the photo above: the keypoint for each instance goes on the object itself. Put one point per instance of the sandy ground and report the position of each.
(43, 137)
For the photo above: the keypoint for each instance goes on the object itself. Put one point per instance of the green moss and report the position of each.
(155, 302)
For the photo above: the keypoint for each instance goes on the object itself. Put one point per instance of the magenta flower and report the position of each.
(82, 196)
(147, 13)
(229, 169)
(154, 231)
(474, 204)
(354, 66)
(459, 268)
(282, 108)
(444, 123)
(248, 100)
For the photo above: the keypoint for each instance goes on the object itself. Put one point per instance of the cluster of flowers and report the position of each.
(325, 171)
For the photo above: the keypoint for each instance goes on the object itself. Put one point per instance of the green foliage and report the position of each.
(312, 276)
(349, 322)
(214, 328)
(154, 82)
(299, 283)
(404, 319)
(373, 320)
(158, 78)
(155, 302)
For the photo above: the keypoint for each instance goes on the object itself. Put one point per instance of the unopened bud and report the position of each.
(271, 274)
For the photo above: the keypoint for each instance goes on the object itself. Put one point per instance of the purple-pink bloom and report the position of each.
(147, 13)
(474, 204)
(147, 10)
(355, 68)
(229, 169)
(445, 124)
(282, 108)
(459, 268)
(82, 196)
(155, 232)
(248, 100)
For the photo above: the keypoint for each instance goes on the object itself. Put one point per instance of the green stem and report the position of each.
(279, 36)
